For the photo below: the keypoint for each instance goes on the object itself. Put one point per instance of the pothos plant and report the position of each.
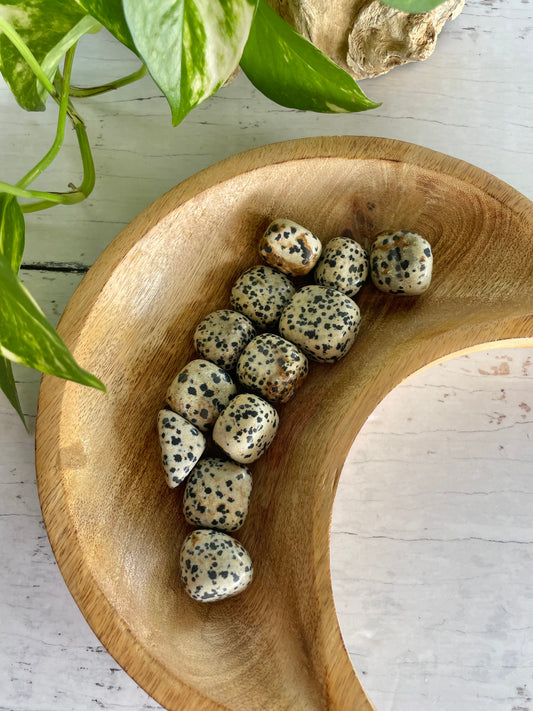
(190, 48)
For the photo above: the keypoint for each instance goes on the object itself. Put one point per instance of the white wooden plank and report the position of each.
(433, 516)
(473, 99)
(432, 539)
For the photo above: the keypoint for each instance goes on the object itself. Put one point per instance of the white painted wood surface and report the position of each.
(432, 532)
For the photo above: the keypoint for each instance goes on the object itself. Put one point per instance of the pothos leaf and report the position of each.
(111, 14)
(12, 231)
(291, 71)
(49, 28)
(26, 336)
(11, 248)
(189, 46)
(413, 6)
(7, 385)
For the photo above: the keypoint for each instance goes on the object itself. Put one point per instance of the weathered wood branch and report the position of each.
(366, 37)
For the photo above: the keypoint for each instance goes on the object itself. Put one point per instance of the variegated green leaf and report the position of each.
(111, 14)
(26, 336)
(8, 387)
(189, 46)
(292, 72)
(12, 231)
(49, 28)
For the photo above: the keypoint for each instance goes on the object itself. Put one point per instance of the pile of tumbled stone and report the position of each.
(319, 322)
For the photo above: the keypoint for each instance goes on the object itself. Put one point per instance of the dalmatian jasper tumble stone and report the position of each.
(272, 367)
(342, 266)
(217, 494)
(214, 565)
(401, 263)
(182, 445)
(200, 392)
(222, 336)
(261, 294)
(246, 428)
(290, 247)
(323, 322)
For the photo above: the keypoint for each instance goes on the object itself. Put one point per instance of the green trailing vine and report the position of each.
(176, 41)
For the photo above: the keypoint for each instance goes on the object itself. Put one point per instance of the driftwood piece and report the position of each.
(366, 37)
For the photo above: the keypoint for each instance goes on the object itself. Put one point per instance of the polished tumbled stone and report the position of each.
(272, 367)
(343, 265)
(182, 445)
(217, 494)
(261, 293)
(221, 337)
(289, 247)
(246, 428)
(199, 393)
(214, 566)
(323, 322)
(401, 263)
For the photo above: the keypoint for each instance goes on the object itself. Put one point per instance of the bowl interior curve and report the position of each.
(115, 527)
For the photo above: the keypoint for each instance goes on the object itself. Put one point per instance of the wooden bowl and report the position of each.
(114, 526)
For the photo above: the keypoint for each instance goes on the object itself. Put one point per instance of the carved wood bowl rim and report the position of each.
(310, 668)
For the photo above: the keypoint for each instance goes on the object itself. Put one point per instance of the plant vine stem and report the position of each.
(82, 92)
(36, 206)
(87, 185)
(34, 65)
(89, 175)
(22, 192)
(60, 134)
(60, 93)
(48, 199)
(28, 55)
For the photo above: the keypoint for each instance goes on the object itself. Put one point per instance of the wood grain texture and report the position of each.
(366, 37)
(113, 525)
(473, 99)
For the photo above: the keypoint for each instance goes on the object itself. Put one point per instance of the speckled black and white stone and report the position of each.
(200, 392)
(214, 566)
(323, 322)
(342, 266)
(222, 336)
(261, 293)
(401, 263)
(246, 428)
(182, 445)
(272, 367)
(217, 494)
(289, 247)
